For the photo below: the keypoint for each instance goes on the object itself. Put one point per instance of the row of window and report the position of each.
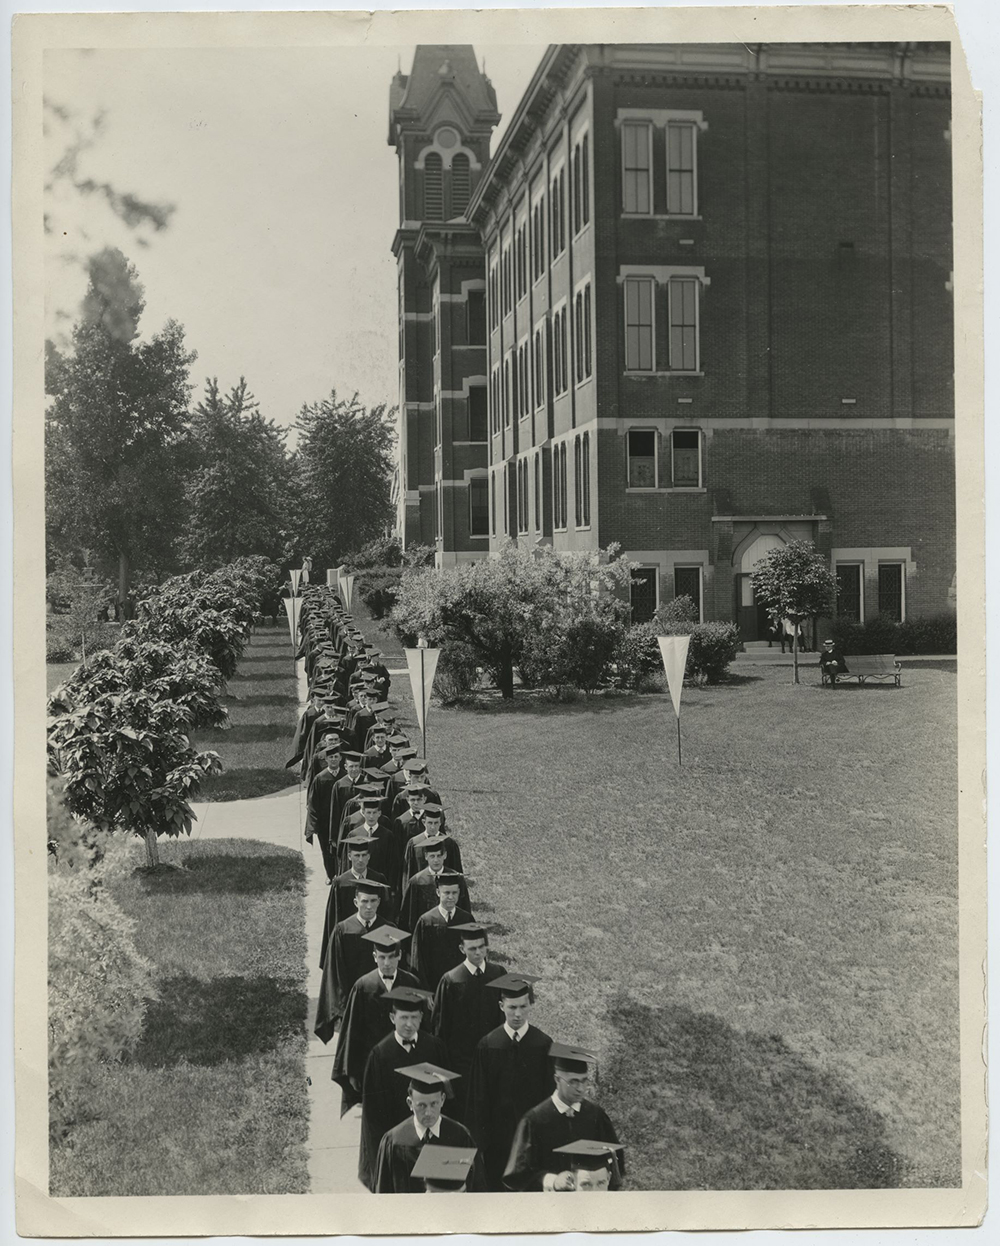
(459, 185)
(685, 458)
(518, 386)
(683, 347)
(851, 591)
(639, 164)
(524, 470)
(645, 592)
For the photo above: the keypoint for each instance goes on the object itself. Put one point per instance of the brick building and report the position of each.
(698, 303)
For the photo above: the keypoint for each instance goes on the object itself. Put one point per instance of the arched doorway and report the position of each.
(752, 618)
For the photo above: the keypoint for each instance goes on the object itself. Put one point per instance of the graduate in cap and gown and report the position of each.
(420, 894)
(445, 1169)
(383, 1094)
(347, 957)
(592, 1165)
(340, 902)
(434, 946)
(319, 811)
(566, 1116)
(425, 1128)
(414, 856)
(511, 1072)
(465, 1006)
(366, 1018)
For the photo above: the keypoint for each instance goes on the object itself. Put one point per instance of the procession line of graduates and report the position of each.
(458, 1089)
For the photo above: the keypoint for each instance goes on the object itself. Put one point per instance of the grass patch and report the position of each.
(263, 710)
(57, 673)
(214, 1099)
(795, 878)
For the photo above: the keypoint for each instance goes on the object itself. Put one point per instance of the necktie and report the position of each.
(517, 1036)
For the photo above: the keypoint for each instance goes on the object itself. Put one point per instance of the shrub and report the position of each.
(933, 634)
(458, 673)
(98, 989)
(713, 646)
(679, 610)
(637, 661)
(576, 657)
(378, 588)
(58, 648)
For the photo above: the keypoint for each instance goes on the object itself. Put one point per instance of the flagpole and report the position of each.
(678, 739)
(423, 698)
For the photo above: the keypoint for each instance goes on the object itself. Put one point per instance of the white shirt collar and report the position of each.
(564, 1109)
(522, 1031)
(471, 967)
(386, 982)
(400, 1041)
(443, 913)
(435, 1129)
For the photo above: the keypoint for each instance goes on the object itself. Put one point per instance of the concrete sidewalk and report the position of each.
(280, 819)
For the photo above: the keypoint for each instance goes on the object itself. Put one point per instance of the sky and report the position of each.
(277, 259)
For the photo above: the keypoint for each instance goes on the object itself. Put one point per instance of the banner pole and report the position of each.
(678, 739)
(423, 701)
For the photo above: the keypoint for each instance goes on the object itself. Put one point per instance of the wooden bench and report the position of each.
(865, 666)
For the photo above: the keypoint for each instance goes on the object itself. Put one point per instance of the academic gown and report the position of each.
(320, 807)
(377, 758)
(340, 902)
(541, 1130)
(366, 1022)
(346, 958)
(381, 856)
(358, 725)
(401, 805)
(400, 1148)
(465, 1010)
(304, 726)
(420, 896)
(506, 1080)
(434, 946)
(384, 1092)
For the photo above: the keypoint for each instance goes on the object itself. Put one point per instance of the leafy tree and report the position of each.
(116, 434)
(238, 493)
(344, 466)
(512, 608)
(794, 582)
(79, 597)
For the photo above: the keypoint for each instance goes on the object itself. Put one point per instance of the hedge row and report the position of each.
(933, 634)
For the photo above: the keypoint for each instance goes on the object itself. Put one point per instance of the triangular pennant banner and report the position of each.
(347, 590)
(421, 664)
(296, 577)
(331, 577)
(674, 652)
(292, 610)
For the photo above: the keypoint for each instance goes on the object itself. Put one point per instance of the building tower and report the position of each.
(441, 117)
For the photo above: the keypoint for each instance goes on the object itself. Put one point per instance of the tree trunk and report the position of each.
(124, 582)
(152, 850)
(795, 650)
(507, 680)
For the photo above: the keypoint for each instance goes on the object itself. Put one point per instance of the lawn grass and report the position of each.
(57, 673)
(214, 1099)
(263, 709)
(760, 944)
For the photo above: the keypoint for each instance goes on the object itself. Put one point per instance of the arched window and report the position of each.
(460, 183)
(433, 187)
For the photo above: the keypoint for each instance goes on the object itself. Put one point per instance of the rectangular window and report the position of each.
(578, 480)
(506, 497)
(477, 413)
(557, 213)
(582, 334)
(588, 335)
(850, 591)
(585, 177)
(479, 518)
(637, 165)
(563, 490)
(891, 581)
(681, 139)
(685, 459)
(506, 392)
(642, 458)
(687, 583)
(586, 480)
(639, 354)
(493, 503)
(683, 324)
(556, 521)
(642, 594)
(538, 491)
(538, 239)
(494, 298)
(475, 312)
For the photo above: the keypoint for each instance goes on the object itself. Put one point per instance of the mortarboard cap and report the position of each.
(589, 1154)
(380, 706)
(357, 842)
(409, 997)
(448, 878)
(370, 887)
(399, 741)
(471, 930)
(351, 755)
(415, 764)
(416, 789)
(370, 801)
(435, 843)
(571, 1059)
(446, 1166)
(387, 937)
(513, 985)
(433, 808)
(428, 1076)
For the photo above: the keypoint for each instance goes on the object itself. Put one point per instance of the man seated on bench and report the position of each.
(831, 661)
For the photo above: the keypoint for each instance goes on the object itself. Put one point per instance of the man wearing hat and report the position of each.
(378, 753)
(340, 902)
(465, 1008)
(346, 956)
(511, 1072)
(383, 1094)
(347, 787)
(369, 823)
(415, 769)
(366, 1017)
(424, 1129)
(415, 852)
(831, 661)
(328, 743)
(320, 807)
(444, 1169)
(434, 946)
(420, 894)
(566, 1116)
(592, 1165)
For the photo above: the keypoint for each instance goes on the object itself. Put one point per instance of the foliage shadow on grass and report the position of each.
(223, 873)
(704, 1106)
(265, 698)
(219, 1020)
(264, 676)
(246, 783)
(246, 733)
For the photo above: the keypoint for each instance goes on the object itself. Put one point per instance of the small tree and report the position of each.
(794, 582)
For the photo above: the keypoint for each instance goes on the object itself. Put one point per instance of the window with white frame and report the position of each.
(538, 490)
(560, 344)
(494, 291)
(538, 238)
(682, 294)
(586, 480)
(493, 503)
(557, 214)
(433, 187)
(892, 590)
(642, 472)
(687, 583)
(538, 359)
(506, 392)
(640, 355)
(685, 458)
(582, 333)
(850, 591)
(637, 167)
(581, 183)
(643, 594)
(578, 478)
(682, 194)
